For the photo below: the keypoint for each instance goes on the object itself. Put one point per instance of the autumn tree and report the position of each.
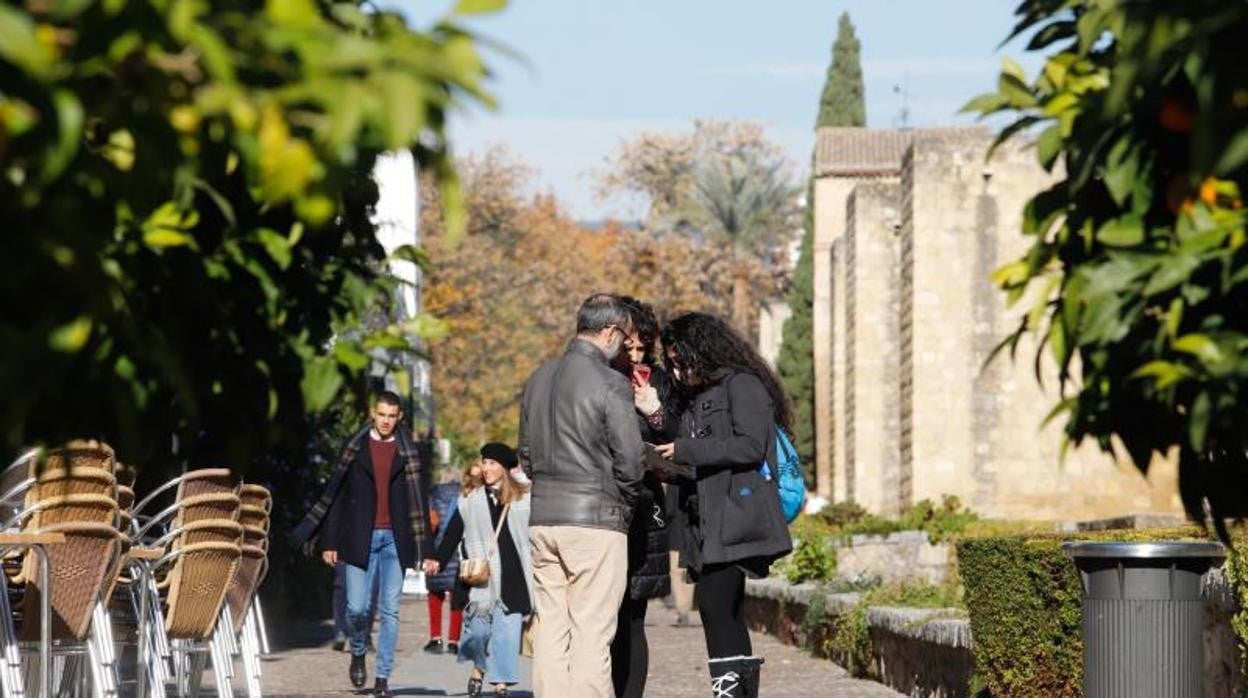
(724, 183)
(508, 293)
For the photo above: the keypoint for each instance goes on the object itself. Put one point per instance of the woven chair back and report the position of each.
(197, 586)
(80, 569)
(252, 566)
(73, 508)
(80, 454)
(206, 481)
(59, 482)
(256, 496)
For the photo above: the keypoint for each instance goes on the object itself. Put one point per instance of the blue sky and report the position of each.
(596, 72)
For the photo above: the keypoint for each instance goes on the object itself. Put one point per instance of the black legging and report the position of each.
(630, 653)
(720, 596)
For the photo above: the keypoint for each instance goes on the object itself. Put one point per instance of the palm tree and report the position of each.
(746, 201)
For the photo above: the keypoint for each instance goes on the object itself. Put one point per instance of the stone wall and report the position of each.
(829, 228)
(897, 557)
(872, 337)
(907, 406)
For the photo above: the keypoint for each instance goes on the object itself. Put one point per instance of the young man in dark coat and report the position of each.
(373, 517)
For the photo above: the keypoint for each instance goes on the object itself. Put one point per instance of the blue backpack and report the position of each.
(790, 485)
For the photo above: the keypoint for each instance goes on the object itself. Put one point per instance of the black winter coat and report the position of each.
(728, 513)
(648, 564)
(349, 523)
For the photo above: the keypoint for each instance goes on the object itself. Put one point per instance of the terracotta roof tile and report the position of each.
(862, 152)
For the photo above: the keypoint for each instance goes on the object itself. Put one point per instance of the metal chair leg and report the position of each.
(263, 633)
(251, 656)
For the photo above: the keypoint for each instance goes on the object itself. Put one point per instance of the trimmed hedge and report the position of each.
(1025, 606)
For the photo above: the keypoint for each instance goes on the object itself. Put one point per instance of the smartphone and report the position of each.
(641, 374)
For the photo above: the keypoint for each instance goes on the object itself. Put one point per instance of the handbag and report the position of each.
(475, 571)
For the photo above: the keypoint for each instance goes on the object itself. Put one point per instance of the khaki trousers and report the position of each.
(579, 577)
(682, 591)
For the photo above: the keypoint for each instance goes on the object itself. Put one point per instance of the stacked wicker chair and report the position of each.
(245, 617)
(70, 491)
(203, 541)
(187, 575)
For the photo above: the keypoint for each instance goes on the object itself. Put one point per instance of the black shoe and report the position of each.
(340, 643)
(359, 673)
(434, 646)
(474, 687)
(382, 688)
(452, 648)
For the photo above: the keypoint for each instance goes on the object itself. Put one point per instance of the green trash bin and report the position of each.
(1143, 616)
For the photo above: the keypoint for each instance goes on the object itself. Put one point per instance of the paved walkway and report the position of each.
(677, 665)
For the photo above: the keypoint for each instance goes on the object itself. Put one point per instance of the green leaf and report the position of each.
(1124, 231)
(414, 254)
(69, 118)
(162, 238)
(320, 383)
(72, 336)
(350, 355)
(1121, 170)
(1199, 345)
(474, 7)
(1174, 270)
(1049, 146)
(1198, 421)
(19, 45)
(1164, 373)
(276, 245)
(986, 103)
(1235, 154)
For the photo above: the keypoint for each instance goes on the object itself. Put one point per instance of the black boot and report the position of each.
(382, 689)
(734, 677)
(359, 673)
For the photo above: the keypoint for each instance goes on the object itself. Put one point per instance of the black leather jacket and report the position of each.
(579, 442)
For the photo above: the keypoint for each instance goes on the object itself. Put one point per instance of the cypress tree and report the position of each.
(841, 104)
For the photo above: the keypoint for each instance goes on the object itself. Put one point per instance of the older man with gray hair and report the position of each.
(580, 445)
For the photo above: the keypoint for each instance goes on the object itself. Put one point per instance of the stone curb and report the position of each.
(933, 625)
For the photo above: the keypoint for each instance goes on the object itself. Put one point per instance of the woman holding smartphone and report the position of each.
(648, 576)
(728, 522)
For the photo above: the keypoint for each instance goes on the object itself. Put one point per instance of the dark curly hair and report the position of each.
(645, 323)
(705, 345)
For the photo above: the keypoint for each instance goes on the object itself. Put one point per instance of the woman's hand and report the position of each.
(646, 399)
(666, 450)
(431, 566)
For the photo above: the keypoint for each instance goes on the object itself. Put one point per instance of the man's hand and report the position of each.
(431, 566)
(646, 399)
(666, 450)
(330, 557)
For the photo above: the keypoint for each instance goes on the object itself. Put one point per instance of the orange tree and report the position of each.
(186, 196)
(1138, 270)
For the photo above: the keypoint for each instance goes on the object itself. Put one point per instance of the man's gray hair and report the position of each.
(600, 311)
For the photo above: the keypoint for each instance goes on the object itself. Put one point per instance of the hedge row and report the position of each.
(1025, 606)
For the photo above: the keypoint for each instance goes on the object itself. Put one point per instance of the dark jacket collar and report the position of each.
(584, 347)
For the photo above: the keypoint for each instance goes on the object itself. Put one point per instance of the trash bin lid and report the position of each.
(1145, 549)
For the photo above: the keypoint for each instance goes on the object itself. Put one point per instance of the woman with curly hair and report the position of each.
(648, 566)
(728, 522)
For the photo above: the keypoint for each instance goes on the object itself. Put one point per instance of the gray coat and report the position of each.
(579, 442)
(729, 513)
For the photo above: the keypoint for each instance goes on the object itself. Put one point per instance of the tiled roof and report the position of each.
(862, 152)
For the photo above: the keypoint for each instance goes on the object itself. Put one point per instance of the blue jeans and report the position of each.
(492, 644)
(384, 567)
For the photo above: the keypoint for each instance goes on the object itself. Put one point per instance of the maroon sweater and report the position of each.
(382, 454)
